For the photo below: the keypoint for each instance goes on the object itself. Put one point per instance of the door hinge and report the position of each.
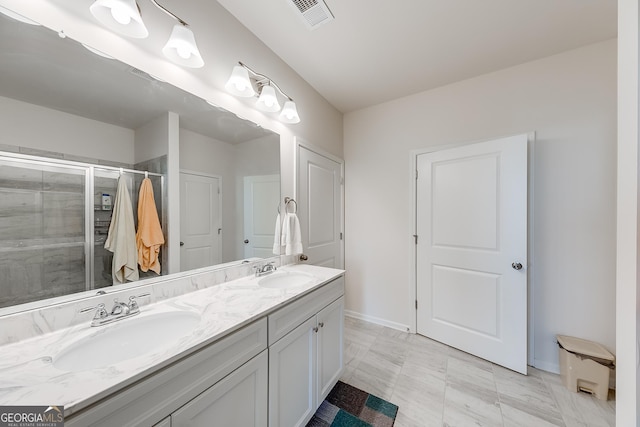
(340, 235)
(341, 180)
(416, 174)
(416, 304)
(415, 237)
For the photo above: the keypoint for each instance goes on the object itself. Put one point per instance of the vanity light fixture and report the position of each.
(289, 113)
(240, 84)
(268, 101)
(123, 16)
(181, 47)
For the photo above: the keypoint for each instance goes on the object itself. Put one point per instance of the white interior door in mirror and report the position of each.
(320, 208)
(200, 221)
(261, 195)
(472, 225)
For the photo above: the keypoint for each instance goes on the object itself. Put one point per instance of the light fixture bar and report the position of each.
(240, 84)
(270, 82)
(168, 12)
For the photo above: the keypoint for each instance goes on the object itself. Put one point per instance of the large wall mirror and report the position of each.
(71, 119)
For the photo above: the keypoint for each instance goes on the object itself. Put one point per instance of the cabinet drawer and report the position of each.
(154, 398)
(289, 317)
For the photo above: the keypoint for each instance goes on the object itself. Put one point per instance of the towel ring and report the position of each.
(288, 200)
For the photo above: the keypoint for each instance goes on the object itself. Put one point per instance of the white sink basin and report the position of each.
(285, 279)
(126, 339)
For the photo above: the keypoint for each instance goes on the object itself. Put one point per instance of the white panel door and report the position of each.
(200, 221)
(261, 198)
(472, 249)
(320, 208)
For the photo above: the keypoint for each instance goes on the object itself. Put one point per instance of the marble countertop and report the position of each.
(28, 375)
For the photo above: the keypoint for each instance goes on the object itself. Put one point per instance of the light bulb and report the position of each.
(289, 113)
(239, 83)
(121, 16)
(183, 52)
(268, 100)
(181, 47)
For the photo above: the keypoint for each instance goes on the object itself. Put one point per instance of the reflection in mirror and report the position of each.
(70, 120)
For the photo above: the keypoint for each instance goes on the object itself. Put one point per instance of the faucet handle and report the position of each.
(133, 304)
(117, 308)
(101, 311)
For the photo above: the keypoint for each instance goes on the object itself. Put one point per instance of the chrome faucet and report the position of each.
(267, 268)
(120, 310)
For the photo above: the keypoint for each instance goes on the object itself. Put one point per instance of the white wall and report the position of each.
(627, 289)
(152, 139)
(569, 100)
(40, 128)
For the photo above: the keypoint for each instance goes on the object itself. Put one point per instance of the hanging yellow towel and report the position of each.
(121, 239)
(149, 237)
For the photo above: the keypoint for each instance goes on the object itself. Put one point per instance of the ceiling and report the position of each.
(378, 50)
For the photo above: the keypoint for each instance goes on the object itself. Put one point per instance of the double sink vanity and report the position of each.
(255, 351)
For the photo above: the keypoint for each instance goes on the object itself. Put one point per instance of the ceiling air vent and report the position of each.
(313, 12)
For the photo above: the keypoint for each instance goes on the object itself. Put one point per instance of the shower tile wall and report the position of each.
(41, 233)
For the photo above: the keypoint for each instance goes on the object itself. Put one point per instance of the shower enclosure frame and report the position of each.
(89, 170)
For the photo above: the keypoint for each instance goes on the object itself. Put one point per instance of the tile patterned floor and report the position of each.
(436, 385)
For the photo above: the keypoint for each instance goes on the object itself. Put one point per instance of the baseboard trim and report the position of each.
(546, 366)
(377, 321)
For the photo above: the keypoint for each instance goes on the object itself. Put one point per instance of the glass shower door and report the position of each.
(43, 223)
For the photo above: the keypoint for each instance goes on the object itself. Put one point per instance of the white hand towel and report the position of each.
(292, 235)
(121, 239)
(277, 236)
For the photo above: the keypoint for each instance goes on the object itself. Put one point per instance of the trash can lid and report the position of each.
(588, 348)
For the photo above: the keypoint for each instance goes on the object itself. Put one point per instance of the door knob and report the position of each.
(516, 266)
(181, 243)
(246, 241)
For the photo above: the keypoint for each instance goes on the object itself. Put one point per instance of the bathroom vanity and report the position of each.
(265, 351)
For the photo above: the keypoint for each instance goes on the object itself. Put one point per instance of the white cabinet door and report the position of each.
(239, 400)
(292, 383)
(330, 347)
